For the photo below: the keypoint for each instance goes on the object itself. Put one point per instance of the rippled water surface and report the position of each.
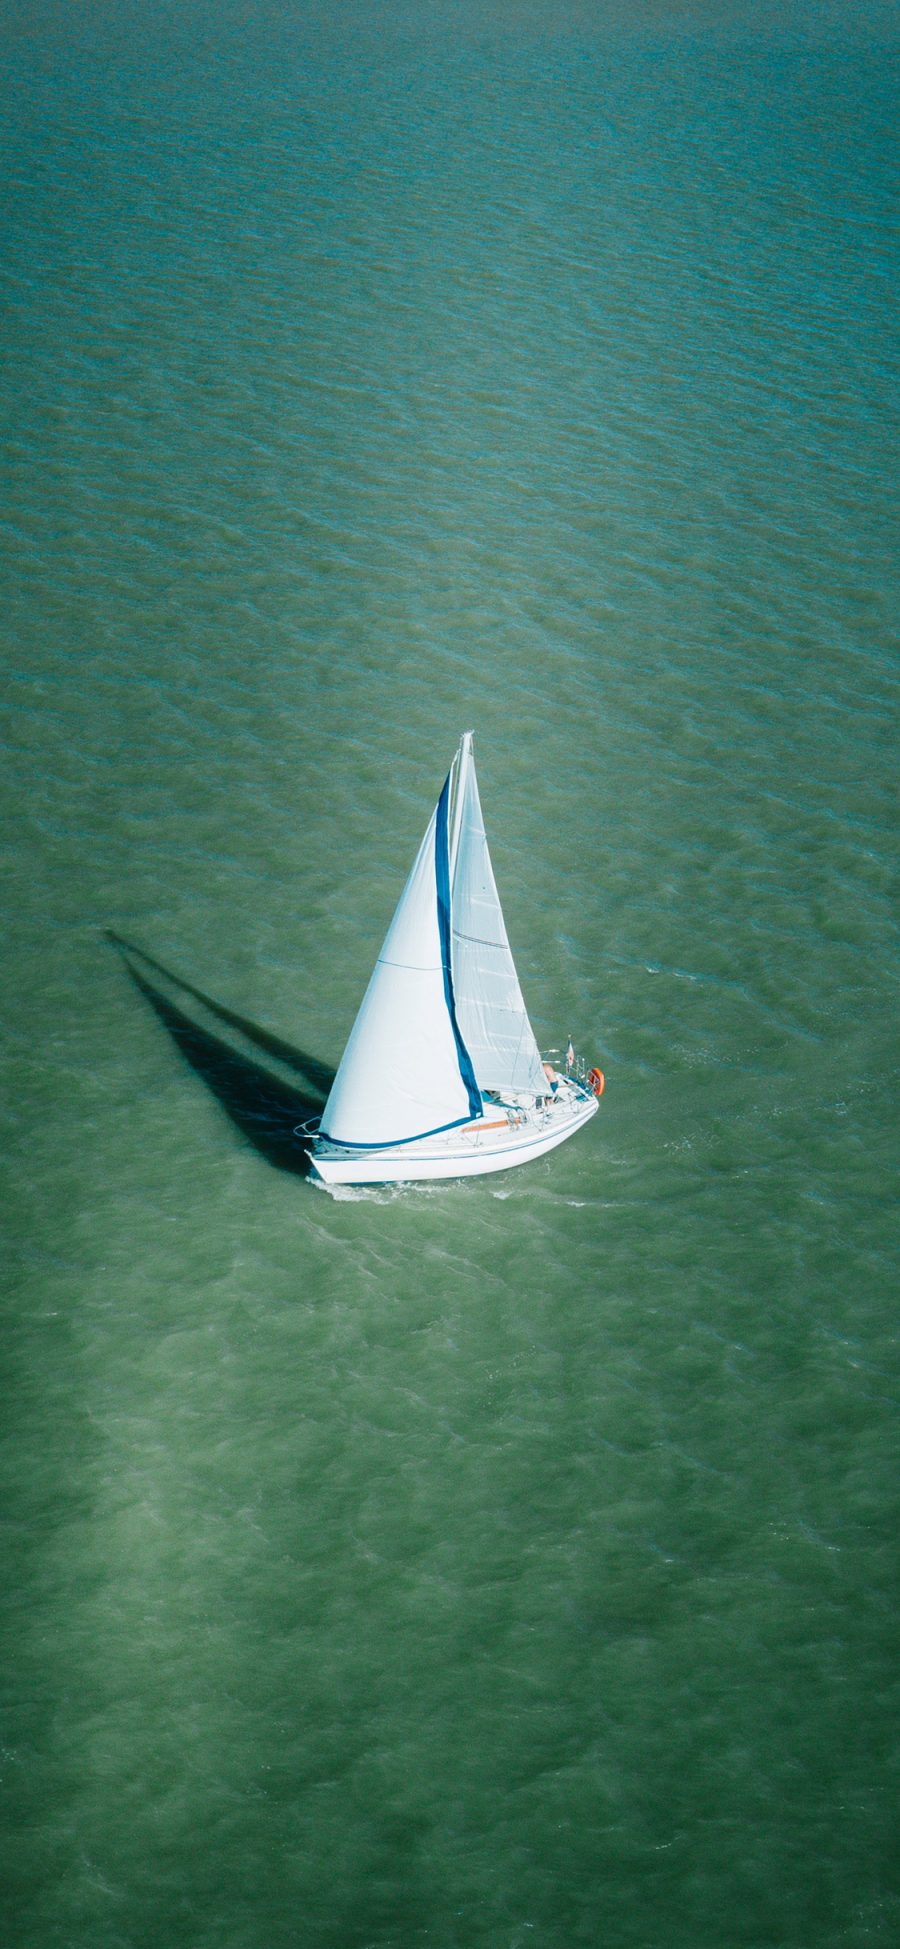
(512, 1562)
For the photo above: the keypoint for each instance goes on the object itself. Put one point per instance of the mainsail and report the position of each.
(405, 1071)
(442, 1019)
(489, 1005)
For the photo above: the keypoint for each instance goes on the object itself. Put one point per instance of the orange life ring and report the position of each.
(597, 1081)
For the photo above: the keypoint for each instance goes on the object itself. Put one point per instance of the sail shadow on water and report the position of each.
(318, 1074)
(262, 1106)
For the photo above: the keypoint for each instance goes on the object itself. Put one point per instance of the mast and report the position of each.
(463, 761)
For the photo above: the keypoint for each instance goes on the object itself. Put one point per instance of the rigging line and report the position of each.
(442, 876)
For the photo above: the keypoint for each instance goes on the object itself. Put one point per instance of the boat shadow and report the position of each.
(262, 1105)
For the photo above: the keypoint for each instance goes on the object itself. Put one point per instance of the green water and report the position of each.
(512, 1562)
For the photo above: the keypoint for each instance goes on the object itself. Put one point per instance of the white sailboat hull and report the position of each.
(490, 1144)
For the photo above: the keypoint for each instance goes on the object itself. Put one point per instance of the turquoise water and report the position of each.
(513, 1562)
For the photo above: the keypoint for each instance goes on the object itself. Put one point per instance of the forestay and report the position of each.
(490, 1010)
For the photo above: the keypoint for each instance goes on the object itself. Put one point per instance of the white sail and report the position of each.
(404, 1071)
(490, 1010)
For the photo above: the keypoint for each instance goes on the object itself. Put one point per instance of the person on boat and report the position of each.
(553, 1077)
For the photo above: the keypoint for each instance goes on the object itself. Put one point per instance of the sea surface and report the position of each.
(508, 1564)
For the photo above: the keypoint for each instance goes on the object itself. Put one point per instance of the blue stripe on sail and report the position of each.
(442, 874)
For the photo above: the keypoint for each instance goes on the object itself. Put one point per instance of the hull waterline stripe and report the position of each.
(573, 1121)
(391, 1143)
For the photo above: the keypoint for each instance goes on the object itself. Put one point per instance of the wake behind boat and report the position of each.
(442, 1076)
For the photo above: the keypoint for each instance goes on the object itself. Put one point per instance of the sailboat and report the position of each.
(442, 1076)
